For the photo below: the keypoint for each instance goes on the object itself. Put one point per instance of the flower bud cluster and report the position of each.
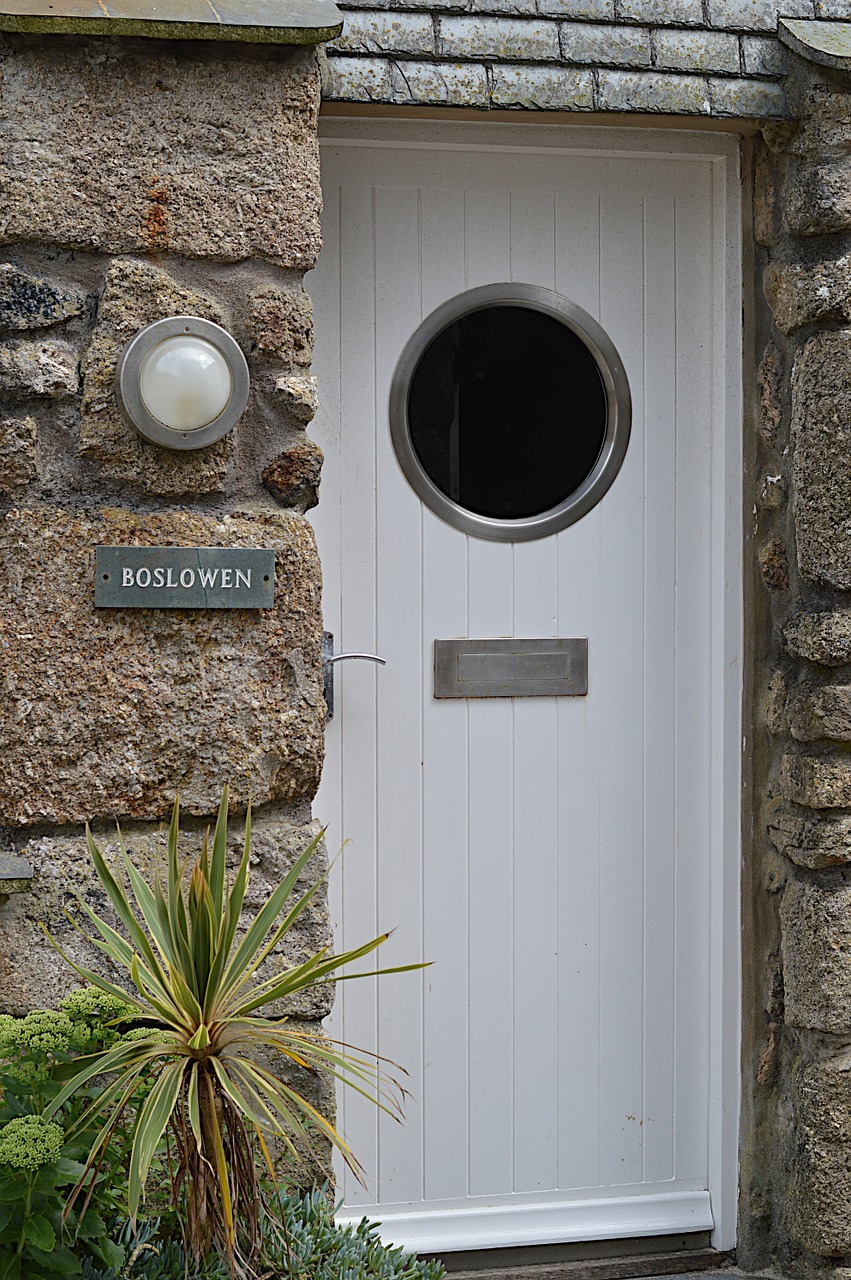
(37, 1038)
(28, 1142)
(93, 1014)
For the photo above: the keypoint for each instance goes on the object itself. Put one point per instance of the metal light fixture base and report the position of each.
(132, 406)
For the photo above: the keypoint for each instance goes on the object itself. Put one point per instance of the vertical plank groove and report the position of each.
(536, 1086)
(398, 556)
(355, 697)
(675, 993)
(621, 702)
(490, 610)
(577, 275)
(445, 1107)
(659, 690)
(694, 556)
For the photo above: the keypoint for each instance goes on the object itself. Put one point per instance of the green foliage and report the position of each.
(87, 1020)
(196, 987)
(147, 1256)
(96, 1017)
(31, 1200)
(319, 1250)
(35, 1241)
(38, 1167)
(28, 1142)
(29, 1046)
(304, 1245)
(41, 1240)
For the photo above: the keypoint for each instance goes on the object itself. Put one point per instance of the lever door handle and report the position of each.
(342, 657)
(329, 657)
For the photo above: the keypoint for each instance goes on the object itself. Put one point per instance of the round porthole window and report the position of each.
(510, 412)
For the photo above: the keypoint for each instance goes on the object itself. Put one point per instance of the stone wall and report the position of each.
(141, 179)
(796, 1170)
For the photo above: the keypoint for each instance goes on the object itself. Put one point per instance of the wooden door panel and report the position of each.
(550, 855)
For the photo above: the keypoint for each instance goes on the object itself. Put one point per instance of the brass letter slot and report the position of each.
(510, 668)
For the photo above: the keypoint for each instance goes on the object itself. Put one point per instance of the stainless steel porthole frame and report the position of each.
(618, 412)
(133, 408)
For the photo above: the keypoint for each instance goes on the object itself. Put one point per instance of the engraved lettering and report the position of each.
(174, 577)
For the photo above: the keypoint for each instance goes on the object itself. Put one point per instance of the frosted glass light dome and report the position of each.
(185, 382)
(182, 382)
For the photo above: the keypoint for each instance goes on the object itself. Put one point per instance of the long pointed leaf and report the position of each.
(343, 1066)
(218, 857)
(287, 1124)
(287, 923)
(313, 970)
(231, 923)
(154, 1115)
(222, 1168)
(156, 925)
(227, 1085)
(237, 894)
(201, 929)
(168, 1009)
(120, 902)
(184, 997)
(175, 878)
(270, 1120)
(265, 919)
(120, 1055)
(116, 946)
(267, 1157)
(120, 1092)
(193, 1106)
(279, 1089)
(103, 984)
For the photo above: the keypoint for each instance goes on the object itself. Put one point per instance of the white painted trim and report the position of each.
(619, 152)
(493, 1226)
(727, 678)
(523, 138)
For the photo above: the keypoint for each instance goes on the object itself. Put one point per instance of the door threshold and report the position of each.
(598, 1260)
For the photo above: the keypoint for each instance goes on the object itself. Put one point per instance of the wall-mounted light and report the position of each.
(182, 382)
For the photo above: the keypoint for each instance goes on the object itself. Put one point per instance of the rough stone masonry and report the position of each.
(796, 1138)
(139, 179)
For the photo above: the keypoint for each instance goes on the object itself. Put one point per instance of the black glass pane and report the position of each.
(507, 412)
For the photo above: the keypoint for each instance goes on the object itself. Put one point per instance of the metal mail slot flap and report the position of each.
(510, 668)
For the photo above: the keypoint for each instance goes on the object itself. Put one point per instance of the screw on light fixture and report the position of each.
(182, 383)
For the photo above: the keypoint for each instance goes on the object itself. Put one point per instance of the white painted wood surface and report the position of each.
(553, 857)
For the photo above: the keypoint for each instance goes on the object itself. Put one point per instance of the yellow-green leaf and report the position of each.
(201, 1038)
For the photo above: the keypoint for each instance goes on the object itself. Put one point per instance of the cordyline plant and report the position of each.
(196, 992)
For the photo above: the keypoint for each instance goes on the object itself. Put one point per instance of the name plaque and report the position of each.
(184, 578)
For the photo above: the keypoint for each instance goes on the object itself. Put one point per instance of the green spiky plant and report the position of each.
(197, 990)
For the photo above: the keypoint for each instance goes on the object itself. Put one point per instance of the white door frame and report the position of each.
(722, 152)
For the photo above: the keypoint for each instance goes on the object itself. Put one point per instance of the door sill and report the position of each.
(475, 1227)
(605, 1260)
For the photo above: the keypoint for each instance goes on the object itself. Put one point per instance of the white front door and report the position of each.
(569, 864)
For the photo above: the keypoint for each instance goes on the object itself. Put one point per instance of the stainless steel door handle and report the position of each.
(329, 657)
